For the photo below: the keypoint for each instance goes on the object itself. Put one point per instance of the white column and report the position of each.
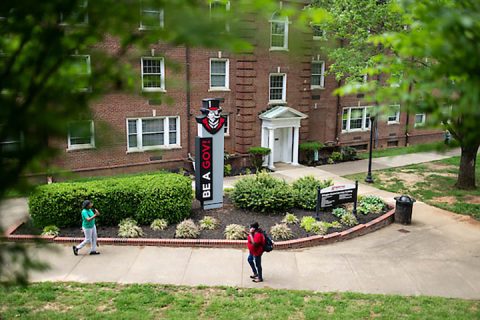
(289, 147)
(295, 145)
(271, 143)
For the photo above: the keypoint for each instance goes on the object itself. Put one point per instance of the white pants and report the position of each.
(90, 236)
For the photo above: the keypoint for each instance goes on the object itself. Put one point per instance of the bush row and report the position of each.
(161, 196)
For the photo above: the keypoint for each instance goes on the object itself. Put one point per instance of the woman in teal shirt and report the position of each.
(89, 228)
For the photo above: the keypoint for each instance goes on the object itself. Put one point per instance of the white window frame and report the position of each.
(322, 75)
(396, 118)
(366, 122)
(166, 134)
(284, 88)
(279, 20)
(90, 145)
(226, 87)
(162, 75)
(227, 8)
(161, 17)
(226, 125)
(422, 123)
(314, 26)
(86, 59)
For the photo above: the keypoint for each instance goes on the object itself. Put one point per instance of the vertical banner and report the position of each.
(209, 155)
(204, 169)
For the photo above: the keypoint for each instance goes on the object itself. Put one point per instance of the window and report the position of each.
(150, 17)
(420, 119)
(279, 32)
(393, 114)
(356, 119)
(278, 87)
(153, 133)
(77, 16)
(218, 12)
(11, 143)
(317, 31)
(219, 74)
(153, 74)
(81, 135)
(226, 125)
(318, 74)
(82, 70)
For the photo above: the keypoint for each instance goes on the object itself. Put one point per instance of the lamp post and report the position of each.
(369, 178)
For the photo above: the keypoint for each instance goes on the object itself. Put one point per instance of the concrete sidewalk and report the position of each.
(437, 255)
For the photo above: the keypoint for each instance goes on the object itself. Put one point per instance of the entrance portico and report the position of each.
(280, 133)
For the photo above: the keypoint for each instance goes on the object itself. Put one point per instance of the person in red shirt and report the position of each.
(255, 244)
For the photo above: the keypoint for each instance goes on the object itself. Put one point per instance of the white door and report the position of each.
(278, 145)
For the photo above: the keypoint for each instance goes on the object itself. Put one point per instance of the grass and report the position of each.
(147, 301)
(433, 183)
(435, 146)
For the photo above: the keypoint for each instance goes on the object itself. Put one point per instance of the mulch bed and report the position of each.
(226, 215)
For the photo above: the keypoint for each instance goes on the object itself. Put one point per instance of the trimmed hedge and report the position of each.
(144, 198)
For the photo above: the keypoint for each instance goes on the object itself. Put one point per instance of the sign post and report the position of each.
(209, 144)
(335, 195)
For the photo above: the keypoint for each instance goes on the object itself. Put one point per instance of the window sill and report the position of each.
(79, 148)
(278, 49)
(393, 122)
(154, 90)
(317, 88)
(219, 90)
(173, 147)
(277, 102)
(355, 130)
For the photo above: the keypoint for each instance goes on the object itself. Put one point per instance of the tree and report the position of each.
(347, 29)
(433, 68)
(45, 82)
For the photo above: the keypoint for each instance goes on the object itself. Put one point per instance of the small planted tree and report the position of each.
(257, 155)
(309, 149)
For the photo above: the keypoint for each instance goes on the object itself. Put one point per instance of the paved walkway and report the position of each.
(437, 255)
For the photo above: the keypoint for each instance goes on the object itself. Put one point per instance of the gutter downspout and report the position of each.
(187, 88)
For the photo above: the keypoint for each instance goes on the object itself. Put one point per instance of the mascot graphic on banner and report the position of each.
(211, 118)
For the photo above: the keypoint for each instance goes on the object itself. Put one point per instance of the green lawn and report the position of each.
(435, 146)
(433, 183)
(115, 301)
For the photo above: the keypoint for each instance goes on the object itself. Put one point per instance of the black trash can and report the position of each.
(403, 209)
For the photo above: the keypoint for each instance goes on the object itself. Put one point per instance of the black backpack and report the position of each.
(268, 246)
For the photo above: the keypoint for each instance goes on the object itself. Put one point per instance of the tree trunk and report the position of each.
(466, 173)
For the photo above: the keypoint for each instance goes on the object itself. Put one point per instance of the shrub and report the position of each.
(257, 154)
(320, 227)
(262, 193)
(187, 229)
(339, 212)
(370, 204)
(235, 232)
(227, 169)
(307, 223)
(335, 224)
(305, 191)
(51, 231)
(159, 224)
(281, 232)
(144, 198)
(330, 161)
(349, 220)
(290, 218)
(128, 228)
(208, 223)
(336, 156)
(348, 153)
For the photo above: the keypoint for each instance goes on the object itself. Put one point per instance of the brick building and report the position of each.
(276, 96)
